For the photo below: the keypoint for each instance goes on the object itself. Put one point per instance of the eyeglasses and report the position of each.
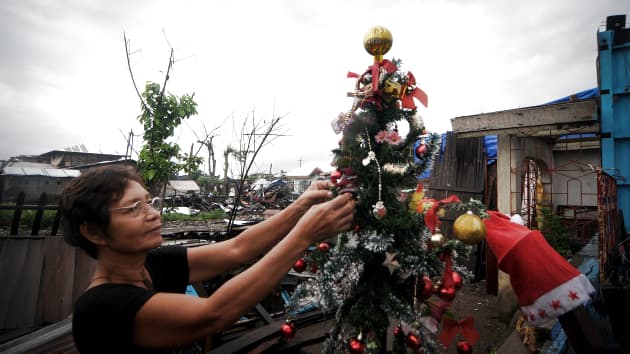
(140, 206)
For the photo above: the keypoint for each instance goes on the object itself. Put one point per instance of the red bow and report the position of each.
(407, 99)
(376, 68)
(451, 327)
(430, 217)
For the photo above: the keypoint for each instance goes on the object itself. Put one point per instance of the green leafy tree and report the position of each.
(162, 112)
(159, 159)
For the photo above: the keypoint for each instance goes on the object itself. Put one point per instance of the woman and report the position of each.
(136, 302)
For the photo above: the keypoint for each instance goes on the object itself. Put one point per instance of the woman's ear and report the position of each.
(92, 236)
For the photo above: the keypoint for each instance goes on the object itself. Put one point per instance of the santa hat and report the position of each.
(545, 284)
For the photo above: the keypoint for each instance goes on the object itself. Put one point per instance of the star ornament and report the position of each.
(391, 262)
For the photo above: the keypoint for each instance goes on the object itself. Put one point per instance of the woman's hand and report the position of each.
(317, 192)
(329, 218)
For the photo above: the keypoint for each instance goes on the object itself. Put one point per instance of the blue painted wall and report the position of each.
(614, 88)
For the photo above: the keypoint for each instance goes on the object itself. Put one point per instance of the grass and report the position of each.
(27, 218)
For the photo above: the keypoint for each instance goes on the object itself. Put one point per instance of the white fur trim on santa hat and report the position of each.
(559, 301)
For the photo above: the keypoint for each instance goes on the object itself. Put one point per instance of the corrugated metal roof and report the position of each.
(184, 185)
(39, 171)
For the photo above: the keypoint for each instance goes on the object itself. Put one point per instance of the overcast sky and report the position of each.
(64, 79)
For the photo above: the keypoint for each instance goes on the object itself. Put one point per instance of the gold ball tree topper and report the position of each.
(378, 41)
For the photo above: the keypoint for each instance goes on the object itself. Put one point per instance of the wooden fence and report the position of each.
(41, 276)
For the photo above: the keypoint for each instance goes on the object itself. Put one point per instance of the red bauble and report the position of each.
(427, 288)
(463, 347)
(356, 346)
(288, 330)
(457, 280)
(420, 150)
(398, 331)
(314, 268)
(413, 341)
(299, 265)
(324, 247)
(446, 293)
(335, 176)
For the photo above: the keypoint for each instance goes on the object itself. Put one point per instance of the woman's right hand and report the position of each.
(327, 219)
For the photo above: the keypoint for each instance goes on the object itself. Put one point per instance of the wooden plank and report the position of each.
(20, 278)
(537, 131)
(259, 335)
(37, 222)
(23, 306)
(37, 340)
(580, 113)
(57, 285)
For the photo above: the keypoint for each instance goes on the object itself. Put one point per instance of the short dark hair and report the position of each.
(86, 200)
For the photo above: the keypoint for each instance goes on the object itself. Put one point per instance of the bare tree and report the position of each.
(252, 136)
(207, 141)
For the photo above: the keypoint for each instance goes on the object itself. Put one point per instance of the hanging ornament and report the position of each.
(427, 287)
(379, 210)
(369, 158)
(287, 329)
(446, 293)
(398, 331)
(469, 228)
(457, 280)
(416, 198)
(335, 176)
(299, 265)
(356, 345)
(324, 247)
(420, 150)
(391, 262)
(463, 347)
(414, 342)
(437, 239)
(314, 268)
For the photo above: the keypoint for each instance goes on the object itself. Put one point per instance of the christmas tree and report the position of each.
(390, 281)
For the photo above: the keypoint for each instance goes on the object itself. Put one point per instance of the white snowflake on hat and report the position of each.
(546, 285)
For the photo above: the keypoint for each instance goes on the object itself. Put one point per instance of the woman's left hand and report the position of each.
(318, 192)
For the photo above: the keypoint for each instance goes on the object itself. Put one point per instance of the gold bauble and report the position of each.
(469, 228)
(437, 239)
(378, 41)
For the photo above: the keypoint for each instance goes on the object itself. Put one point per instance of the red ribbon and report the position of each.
(407, 100)
(430, 217)
(447, 278)
(376, 68)
(451, 327)
(407, 96)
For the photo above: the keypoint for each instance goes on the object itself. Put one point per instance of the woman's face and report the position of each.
(134, 229)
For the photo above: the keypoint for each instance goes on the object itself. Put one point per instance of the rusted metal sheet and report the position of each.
(609, 223)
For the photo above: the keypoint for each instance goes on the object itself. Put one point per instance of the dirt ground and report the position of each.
(472, 300)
